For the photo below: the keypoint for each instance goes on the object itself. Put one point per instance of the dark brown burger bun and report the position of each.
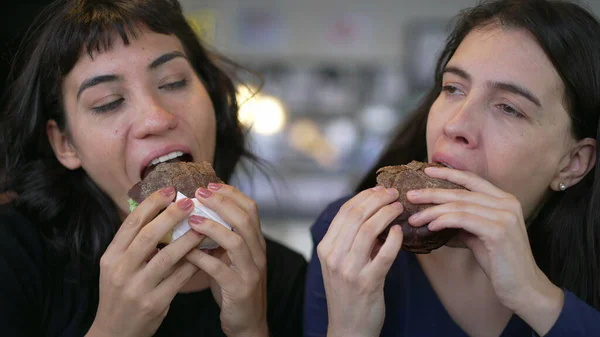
(409, 177)
(185, 177)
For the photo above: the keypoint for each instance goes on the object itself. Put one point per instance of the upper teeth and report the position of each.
(166, 157)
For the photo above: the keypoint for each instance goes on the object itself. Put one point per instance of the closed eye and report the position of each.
(109, 106)
(174, 85)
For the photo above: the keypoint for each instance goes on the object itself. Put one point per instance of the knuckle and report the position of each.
(348, 275)
(237, 242)
(246, 219)
(132, 221)
(332, 263)
(145, 237)
(164, 258)
(253, 206)
(322, 250)
(105, 262)
(148, 307)
(356, 212)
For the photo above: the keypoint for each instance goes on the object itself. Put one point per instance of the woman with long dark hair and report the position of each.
(514, 114)
(106, 88)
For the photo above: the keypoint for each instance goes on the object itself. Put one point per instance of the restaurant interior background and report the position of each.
(339, 77)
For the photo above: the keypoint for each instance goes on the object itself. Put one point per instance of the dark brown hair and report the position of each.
(75, 216)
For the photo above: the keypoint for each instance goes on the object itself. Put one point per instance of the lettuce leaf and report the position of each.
(132, 204)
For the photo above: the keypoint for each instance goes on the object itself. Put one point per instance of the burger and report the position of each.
(408, 177)
(186, 178)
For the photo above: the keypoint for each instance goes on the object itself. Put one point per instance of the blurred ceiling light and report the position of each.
(262, 114)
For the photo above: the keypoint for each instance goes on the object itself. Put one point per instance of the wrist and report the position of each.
(541, 306)
(261, 330)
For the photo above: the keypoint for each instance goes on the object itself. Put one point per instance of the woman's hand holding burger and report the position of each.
(135, 289)
(238, 273)
(354, 264)
(493, 228)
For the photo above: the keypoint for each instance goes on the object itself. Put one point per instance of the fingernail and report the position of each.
(167, 191)
(196, 220)
(397, 204)
(214, 187)
(185, 204)
(413, 193)
(204, 193)
(392, 191)
(377, 188)
(414, 217)
(431, 169)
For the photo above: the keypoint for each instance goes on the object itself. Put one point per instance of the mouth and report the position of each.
(172, 157)
(445, 164)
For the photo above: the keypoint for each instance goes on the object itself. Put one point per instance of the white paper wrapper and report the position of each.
(202, 211)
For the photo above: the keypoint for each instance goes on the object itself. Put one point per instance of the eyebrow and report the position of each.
(95, 81)
(164, 59)
(504, 86)
(113, 78)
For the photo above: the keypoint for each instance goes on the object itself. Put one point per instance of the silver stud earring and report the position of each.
(562, 186)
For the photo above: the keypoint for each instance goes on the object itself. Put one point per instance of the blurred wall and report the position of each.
(307, 25)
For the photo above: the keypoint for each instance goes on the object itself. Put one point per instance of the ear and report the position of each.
(62, 147)
(576, 164)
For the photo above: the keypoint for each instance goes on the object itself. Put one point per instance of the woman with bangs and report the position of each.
(105, 87)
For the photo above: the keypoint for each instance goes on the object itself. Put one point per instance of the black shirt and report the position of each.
(40, 296)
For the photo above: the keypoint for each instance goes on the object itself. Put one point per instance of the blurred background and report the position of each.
(339, 76)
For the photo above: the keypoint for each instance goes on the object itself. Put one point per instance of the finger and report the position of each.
(240, 199)
(149, 236)
(337, 224)
(144, 213)
(467, 179)
(442, 196)
(429, 214)
(357, 216)
(161, 264)
(214, 267)
(233, 243)
(381, 264)
(243, 223)
(486, 230)
(172, 284)
(370, 230)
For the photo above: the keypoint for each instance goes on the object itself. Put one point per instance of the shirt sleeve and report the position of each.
(21, 282)
(315, 303)
(577, 319)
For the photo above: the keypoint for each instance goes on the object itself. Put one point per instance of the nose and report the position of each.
(463, 127)
(153, 119)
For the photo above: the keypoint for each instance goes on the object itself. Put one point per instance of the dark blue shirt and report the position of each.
(413, 308)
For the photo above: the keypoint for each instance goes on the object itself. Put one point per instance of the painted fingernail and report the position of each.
(214, 187)
(377, 188)
(204, 193)
(392, 191)
(196, 220)
(167, 191)
(185, 204)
